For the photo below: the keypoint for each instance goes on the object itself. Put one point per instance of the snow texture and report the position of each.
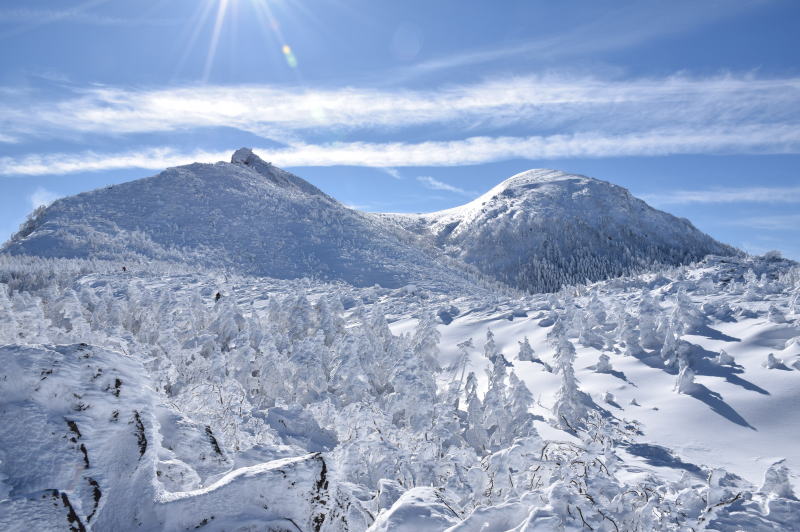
(142, 390)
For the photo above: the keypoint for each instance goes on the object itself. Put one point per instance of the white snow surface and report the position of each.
(175, 390)
(136, 400)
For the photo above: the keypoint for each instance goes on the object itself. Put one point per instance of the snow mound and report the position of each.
(94, 449)
(542, 229)
(417, 509)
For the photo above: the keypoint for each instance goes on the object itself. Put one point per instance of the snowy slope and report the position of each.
(732, 406)
(295, 405)
(150, 381)
(541, 229)
(247, 216)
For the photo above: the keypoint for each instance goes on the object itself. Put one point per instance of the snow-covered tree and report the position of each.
(648, 314)
(569, 409)
(628, 335)
(425, 341)
(772, 361)
(776, 315)
(490, 349)
(724, 359)
(685, 382)
(495, 414)
(603, 364)
(525, 351)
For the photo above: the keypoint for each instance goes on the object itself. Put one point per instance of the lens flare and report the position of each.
(291, 60)
(223, 15)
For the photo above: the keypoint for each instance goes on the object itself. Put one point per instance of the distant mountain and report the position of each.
(537, 230)
(247, 216)
(544, 228)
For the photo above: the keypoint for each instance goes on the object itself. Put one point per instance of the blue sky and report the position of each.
(415, 105)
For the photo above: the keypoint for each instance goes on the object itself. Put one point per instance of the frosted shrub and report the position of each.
(685, 382)
(724, 359)
(772, 362)
(776, 315)
(603, 364)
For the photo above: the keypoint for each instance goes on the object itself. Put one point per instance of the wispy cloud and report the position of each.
(566, 104)
(73, 15)
(726, 195)
(594, 118)
(434, 184)
(393, 172)
(89, 161)
(605, 30)
(473, 150)
(42, 196)
(787, 222)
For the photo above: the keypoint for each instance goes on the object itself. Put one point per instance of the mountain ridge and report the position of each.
(255, 218)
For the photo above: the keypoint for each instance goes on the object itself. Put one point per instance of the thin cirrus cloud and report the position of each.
(392, 172)
(726, 195)
(473, 150)
(566, 104)
(607, 30)
(593, 118)
(77, 15)
(785, 222)
(434, 184)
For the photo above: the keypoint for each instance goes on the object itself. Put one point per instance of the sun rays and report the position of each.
(225, 14)
(222, 11)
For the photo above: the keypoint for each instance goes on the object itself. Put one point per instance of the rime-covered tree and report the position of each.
(569, 409)
(603, 364)
(425, 341)
(685, 381)
(526, 353)
(649, 313)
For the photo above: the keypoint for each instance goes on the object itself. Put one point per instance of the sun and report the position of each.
(223, 10)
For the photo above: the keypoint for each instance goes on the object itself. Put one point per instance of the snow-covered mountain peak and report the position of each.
(247, 216)
(537, 230)
(544, 224)
(244, 157)
(537, 176)
(545, 183)
(536, 191)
